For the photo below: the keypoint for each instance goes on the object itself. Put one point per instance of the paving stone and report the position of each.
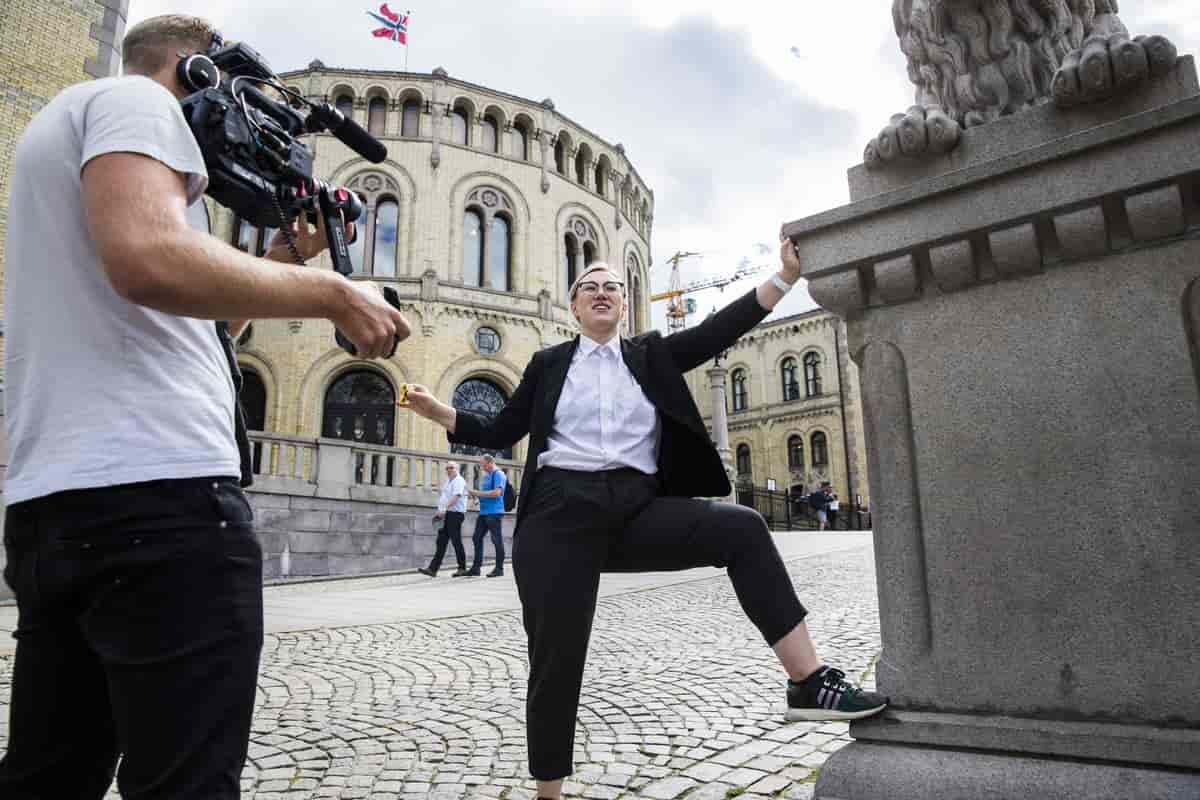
(434, 709)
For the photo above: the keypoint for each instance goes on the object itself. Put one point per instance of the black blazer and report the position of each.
(687, 460)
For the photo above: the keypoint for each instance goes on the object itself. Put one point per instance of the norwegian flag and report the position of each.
(395, 25)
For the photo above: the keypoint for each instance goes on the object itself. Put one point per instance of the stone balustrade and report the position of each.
(346, 470)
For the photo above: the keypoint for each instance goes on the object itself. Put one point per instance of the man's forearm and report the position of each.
(197, 275)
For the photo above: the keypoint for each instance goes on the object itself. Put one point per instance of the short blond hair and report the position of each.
(152, 43)
(595, 266)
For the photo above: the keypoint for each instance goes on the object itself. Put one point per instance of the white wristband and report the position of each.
(780, 283)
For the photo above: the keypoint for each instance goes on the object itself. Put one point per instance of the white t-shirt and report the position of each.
(455, 488)
(100, 391)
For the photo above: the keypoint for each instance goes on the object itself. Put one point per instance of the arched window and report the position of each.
(602, 172)
(250, 239)
(360, 406)
(581, 247)
(253, 399)
(498, 253)
(376, 251)
(812, 375)
(345, 104)
(740, 397)
(488, 232)
(788, 373)
(377, 116)
(560, 157)
(458, 127)
(479, 396)
(570, 249)
(491, 135)
(795, 450)
(743, 461)
(820, 450)
(358, 248)
(581, 166)
(633, 282)
(520, 141)
(410, 119)
(472, 248)
(387, 225)
(245, 237)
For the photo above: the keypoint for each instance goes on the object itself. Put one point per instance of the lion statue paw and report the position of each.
(1107, 65)
(921, 131)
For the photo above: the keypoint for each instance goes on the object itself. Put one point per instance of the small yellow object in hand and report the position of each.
(404, 394)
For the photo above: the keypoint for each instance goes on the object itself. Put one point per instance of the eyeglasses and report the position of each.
(591, 288)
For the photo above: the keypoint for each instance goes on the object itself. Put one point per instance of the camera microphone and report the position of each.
(326, 117)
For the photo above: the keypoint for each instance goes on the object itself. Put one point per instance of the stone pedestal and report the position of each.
(1025, 313)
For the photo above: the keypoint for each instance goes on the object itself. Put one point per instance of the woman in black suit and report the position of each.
(617, 454)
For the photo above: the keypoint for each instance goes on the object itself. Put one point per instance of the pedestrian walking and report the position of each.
(451, 511)
(491, 514)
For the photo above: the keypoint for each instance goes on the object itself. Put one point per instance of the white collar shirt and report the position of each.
(603, 419)
(453, 489)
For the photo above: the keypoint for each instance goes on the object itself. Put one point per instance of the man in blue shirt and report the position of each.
(491, 514)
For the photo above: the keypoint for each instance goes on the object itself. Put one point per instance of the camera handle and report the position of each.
(331, 205)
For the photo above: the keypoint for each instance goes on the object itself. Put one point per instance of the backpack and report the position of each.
(510, 495)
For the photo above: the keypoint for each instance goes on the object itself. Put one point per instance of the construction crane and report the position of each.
(678, 307)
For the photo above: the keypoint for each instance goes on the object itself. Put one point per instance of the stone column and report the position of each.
(436, 114)
(720, 420)
(543, 138)
(1025, 312)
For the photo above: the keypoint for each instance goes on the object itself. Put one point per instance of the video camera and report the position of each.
(257, 167)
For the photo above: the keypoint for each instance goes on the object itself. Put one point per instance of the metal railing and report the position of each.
(784, 511)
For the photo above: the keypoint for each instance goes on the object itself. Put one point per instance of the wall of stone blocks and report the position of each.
(309, 536)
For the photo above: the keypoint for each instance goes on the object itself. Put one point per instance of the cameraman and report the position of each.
(130, 542)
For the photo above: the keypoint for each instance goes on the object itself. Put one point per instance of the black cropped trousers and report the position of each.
(579, 524)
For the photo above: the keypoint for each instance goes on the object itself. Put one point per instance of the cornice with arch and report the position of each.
(487, 314)
(473, 365)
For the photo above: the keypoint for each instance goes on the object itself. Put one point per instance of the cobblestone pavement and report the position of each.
(681, 698)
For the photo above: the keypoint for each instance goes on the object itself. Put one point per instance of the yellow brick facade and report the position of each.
(46, 46)
(434, 182)
(769, 418)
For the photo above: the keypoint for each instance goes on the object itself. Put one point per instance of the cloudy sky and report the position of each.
(739, 116)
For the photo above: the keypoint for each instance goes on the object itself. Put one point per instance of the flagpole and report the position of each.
(408, 27)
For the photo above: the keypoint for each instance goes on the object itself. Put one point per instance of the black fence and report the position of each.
(783, 511)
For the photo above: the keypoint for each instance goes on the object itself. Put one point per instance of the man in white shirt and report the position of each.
(451, 510)
(617, 452)
(130, 543)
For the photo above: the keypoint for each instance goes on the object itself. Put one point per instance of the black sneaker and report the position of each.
(495, 573)
(827, 695)
(458, 573)
(427, 571)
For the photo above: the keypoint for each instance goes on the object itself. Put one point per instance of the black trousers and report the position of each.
(451, 532)
(139, 633)
(579, 524)
(484, 524)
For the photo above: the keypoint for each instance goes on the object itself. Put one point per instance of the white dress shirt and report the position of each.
(603, 419)
(453, 486)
